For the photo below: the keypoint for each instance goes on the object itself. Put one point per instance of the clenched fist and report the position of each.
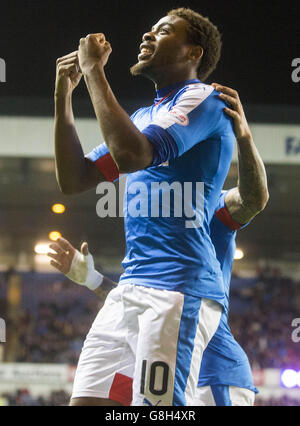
(68, 74)
(93, 51)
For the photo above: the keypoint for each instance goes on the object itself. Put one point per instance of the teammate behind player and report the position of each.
(170, 264)
(225, 375)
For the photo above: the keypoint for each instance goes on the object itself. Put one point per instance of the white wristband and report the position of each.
(83, 271)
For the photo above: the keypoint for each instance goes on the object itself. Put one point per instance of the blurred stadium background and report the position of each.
(47, 317)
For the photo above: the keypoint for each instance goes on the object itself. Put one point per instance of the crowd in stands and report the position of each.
(55, 319)
(23, 398)
(264, 329)
(284, 401)
(54, 334)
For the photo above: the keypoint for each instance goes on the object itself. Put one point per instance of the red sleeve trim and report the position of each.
(121, 390)
(108, 167)
(224, 216)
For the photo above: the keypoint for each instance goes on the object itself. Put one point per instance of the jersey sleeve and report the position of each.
(224, 216)
(102, 159)
(197, 115)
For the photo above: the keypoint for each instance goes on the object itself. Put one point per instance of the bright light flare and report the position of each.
(58, 209)
(42, 248)
(54, 235)
(239, 254)
(290, 378)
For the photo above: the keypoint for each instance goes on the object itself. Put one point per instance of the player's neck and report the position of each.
(168, 81)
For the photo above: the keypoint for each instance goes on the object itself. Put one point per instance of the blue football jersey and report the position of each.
(224, 361)
(193, 140)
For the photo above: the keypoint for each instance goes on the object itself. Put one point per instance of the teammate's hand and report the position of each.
(68, 74)
(241, 127)
(63, 256)
(93, 51)
(77, 266)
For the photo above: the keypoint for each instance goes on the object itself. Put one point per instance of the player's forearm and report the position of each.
(69, 156)
(105, 288)
(129, 148)
(253, 185)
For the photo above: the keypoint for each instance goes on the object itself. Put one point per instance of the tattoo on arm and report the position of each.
(251, 196)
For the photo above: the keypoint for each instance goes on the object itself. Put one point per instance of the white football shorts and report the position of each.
(223, 396)
(145, 347)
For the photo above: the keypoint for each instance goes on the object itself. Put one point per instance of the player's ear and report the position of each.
(196, 53)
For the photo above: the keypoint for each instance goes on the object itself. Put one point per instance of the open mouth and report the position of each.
(146, 53)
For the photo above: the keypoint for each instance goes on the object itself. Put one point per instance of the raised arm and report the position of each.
(130, 149)
(251, 195)
(74, 172)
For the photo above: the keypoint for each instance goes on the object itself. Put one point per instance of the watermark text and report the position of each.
(2, 71)
(296, 332)
(2, 331)
(155, 200)
(296, 71)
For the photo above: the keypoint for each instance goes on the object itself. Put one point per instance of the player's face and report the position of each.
(164, 48)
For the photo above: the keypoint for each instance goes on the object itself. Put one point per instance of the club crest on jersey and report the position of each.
(181, 118)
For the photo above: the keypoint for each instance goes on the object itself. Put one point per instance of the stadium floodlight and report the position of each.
(289, 378)
(58, 209)
(239, 254)
(54, 235)
(42, 248)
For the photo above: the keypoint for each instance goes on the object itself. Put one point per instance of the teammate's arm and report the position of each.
(251, 196)
(79, 267)
(129, 148)
(75, 173)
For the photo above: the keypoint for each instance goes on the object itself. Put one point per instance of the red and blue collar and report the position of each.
(165, 92)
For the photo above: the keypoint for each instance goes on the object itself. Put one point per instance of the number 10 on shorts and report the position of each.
(159, 377)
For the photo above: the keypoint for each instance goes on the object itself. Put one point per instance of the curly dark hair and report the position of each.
(202, 32)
